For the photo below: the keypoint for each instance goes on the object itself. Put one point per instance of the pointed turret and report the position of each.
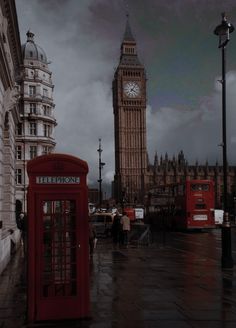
(166, 157)
(128, 54)
(128, 36)
(156, 160)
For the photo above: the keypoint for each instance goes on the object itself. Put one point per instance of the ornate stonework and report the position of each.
(167, 171)
(35, 135)
(10, 63)
(129, 104)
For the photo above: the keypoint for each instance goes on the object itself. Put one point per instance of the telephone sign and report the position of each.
(57, 180)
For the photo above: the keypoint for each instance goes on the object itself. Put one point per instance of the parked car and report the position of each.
(102, 223)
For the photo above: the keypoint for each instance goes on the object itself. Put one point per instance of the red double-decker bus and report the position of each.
(193, 205)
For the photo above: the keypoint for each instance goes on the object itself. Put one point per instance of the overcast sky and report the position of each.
(177, 46)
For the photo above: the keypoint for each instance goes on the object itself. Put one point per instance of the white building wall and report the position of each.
(10, 61)
(9, 174)
(2, 113)
(37, 74)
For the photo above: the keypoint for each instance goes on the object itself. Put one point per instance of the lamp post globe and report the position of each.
(223, 30)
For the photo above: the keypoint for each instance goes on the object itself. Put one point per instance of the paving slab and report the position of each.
(176, 284)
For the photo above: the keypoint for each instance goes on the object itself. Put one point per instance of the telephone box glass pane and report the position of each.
(59, 248)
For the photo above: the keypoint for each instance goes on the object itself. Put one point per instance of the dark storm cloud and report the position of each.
(196, 131)
(53, 4)
(175, 43)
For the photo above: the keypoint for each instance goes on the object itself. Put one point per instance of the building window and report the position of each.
(46, 110)
(47, 130)
(32, 90)
(18, 152)
(19, 129)
(33, 152)
(46, 150)
(45, 92)
(32, 108)
(33, 129)
(18, 176)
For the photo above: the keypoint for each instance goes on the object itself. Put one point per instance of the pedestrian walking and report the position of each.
(125, 221)
(92, 238)
(116, 229)
(22, 225)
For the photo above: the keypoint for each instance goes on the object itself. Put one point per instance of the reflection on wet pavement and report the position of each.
(179, 284)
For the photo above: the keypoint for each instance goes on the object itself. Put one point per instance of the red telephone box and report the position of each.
(58, 260)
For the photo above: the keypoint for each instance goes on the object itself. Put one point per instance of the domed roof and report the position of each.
(30, 50)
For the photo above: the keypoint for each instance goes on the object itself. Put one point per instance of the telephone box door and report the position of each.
(59, 255)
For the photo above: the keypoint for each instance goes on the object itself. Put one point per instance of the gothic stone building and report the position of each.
(135, 177)
(129, 104)
(167, 171)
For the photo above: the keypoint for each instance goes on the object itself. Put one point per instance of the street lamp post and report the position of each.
(101, 164)
(223, 30)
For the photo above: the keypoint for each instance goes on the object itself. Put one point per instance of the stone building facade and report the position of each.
(167, 171)
(35, 133)
(10, 70)
(129, 107)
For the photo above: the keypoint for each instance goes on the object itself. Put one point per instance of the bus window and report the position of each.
(200, 187)
(200, 206)
(205, 187)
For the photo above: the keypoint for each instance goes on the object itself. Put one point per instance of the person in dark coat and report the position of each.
(92, 236)
(22, 225)
(116, 230)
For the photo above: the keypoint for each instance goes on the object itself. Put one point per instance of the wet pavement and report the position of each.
(176, 282)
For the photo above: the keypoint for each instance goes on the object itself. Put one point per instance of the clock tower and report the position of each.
(129, 106)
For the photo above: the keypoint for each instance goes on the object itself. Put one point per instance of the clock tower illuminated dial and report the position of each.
(131, 89)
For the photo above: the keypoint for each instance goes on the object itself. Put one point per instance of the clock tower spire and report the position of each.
(129, 105)
(128, 47)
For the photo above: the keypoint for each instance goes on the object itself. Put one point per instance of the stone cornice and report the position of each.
(9, 11)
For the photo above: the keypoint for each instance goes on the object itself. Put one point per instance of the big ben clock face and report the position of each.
(131, 89)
